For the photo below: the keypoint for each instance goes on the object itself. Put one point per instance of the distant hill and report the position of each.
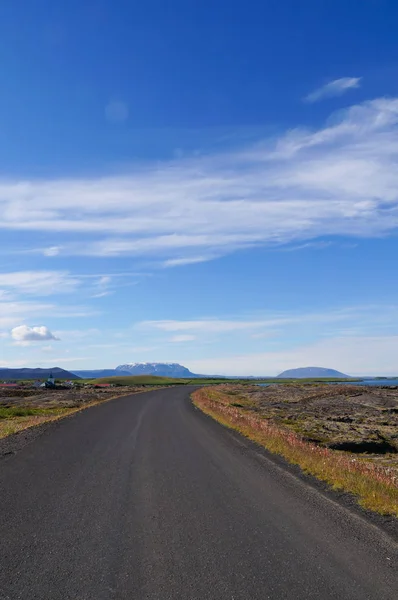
(160, 369)
(98, 373)
(19, 374)
(312, 372)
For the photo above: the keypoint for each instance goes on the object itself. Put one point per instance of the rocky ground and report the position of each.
(361, 420)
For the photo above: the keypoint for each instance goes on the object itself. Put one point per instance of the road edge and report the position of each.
(388, 525)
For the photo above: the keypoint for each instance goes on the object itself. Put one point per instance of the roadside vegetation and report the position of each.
(14, 420)
(375, 485)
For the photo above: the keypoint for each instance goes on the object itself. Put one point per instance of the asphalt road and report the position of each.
(145, 497)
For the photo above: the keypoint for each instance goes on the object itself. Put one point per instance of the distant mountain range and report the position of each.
(19, 374)
(179, 371)
(308, 372)
(161, 369)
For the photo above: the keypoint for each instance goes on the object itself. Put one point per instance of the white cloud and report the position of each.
(179, 262)
(104, 281)
(338, 87)
(102, 294)
(341, 180)
(182, 338)
(23, 333)
(51, 251)
(209, 325)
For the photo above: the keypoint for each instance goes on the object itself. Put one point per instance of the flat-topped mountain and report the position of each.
(309, 372)
(161, 369)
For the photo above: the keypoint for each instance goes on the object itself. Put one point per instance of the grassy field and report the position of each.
(8, 412)
(376, 487)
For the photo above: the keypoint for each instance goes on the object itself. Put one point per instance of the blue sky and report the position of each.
(211, 183)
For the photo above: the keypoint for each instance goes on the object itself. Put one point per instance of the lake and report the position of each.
(371, 382)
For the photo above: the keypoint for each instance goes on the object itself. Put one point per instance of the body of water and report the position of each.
(371, 382)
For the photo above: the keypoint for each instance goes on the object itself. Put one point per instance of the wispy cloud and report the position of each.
(14, 312)
(366, 320)
(307, 245)
(102, 287)
(338, 87)
(217, 325)
(177, 339)
(39, 283)
(47, 283)
(51, 251)
(180, 262)
(340, 180)
(208, 325)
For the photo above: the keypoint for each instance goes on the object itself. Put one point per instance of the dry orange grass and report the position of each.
(375, 487)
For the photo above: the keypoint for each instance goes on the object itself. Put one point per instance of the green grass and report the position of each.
(21, 411)
(8, 413)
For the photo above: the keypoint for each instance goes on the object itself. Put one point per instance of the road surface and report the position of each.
(146, 498)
